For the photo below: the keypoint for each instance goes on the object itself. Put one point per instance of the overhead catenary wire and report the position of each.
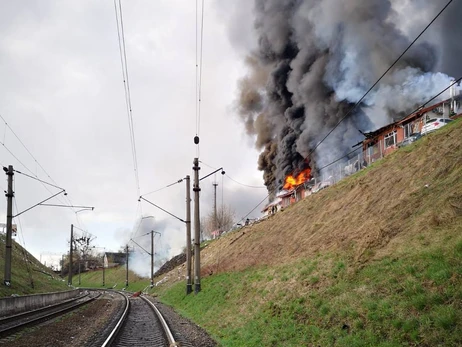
(377, 82)
(34, 158)
(201, 67)
(165, 187)
(359, 148)
(126, 82)
(235, 181)
(37, 179)
(198, 69)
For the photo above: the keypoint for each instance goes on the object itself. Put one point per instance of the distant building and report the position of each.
(385, 140)
(112, 259)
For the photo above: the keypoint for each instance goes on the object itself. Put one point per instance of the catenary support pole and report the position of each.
(69, 281)
(197, 236)
(215, 216)
(9, 226)
(152, 258)
(80, 264)
(188, 236)
(126, 273)
(104, 279)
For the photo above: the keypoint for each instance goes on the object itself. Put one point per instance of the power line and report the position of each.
(36, 161)
(199, 68)
(266, 197)
(200, 71)
(33, 157)
(243, 184)
(37, 179)
(167, 186)
(381, 77)
(355, 150)
(126, 81)
(235, 181)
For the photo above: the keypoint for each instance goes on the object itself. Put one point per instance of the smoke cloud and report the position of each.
(313, 60)
(169, 241)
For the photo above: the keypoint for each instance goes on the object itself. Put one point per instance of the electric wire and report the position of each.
(37, 179)
(232, 179)
(26, 259)
(33, 157)
(243, 184)
(126, 82)
(434, 97)
(199, 69)
(381, 77)
(253, 209)
(201, 65)
(27, 149)
(357, 149)
(167, 186)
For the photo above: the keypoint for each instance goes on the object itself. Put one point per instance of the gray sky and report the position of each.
(61, 91)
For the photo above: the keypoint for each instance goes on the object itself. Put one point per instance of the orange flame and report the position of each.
(292, 182)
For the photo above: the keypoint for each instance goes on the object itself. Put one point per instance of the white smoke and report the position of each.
(320, 58)
(169, 241)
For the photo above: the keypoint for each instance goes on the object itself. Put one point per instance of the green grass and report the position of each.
(28, 277)
(114, 278)
(414, 298)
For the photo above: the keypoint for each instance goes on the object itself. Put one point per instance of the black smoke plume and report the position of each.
(315, 59)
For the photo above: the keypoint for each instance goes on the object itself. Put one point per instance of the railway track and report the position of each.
(141, 324)
(12, 324)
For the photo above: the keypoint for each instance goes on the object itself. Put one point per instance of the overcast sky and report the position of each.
(61, 92)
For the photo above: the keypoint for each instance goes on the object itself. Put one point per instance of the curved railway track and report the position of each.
(140, 324)
(11, 324)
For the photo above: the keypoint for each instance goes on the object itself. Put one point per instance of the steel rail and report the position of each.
(6, 319)
(33, 321)
(119, 324)
(168, 333)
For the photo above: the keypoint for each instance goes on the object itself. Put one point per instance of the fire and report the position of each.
(292, 182)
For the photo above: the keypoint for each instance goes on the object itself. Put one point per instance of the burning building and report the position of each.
(313, 60)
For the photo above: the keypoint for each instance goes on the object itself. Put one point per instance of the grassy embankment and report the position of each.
(27, 277)
(374, 261)
(114, 278)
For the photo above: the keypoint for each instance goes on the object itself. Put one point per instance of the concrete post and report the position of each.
(126, 273)
(188, 236)
(9, 226)
(69, 281)
(197, 236)
(104, 280)
(152, 258)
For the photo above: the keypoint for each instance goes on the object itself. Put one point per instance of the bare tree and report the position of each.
(223, 221)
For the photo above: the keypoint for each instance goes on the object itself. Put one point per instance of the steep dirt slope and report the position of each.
(415, 190)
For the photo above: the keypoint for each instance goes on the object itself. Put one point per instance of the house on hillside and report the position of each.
(272, 207)
(385, 140)
(112, 259)
(300, 192)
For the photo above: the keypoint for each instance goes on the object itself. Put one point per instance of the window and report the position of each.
(390, 139)
(407, 130)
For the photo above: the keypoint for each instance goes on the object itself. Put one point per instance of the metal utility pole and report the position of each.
(215, 216)
(80, 263)
(69, 281)
(9, 225)
(197, 232)
(103, 271)
(188, 236)
(62, 265)
(152, 258)
(126, 274)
